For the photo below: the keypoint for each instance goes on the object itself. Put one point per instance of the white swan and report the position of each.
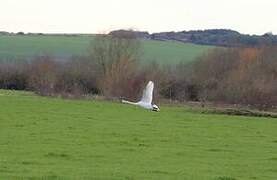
(146, 100)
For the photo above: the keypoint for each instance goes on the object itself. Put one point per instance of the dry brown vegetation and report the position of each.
(245, 76)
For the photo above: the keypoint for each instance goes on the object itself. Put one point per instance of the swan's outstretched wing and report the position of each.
(148, 93)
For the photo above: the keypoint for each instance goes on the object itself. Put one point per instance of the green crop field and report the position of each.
(59, 46)
(45, 138)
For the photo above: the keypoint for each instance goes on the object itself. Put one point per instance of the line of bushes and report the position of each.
(245, 76)
(46, 76)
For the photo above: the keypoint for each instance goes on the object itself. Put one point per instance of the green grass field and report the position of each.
(16, 47)
(50, 138)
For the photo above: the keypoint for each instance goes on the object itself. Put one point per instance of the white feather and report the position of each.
(147, 95)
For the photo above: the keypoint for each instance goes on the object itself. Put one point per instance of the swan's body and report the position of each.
(146, 100)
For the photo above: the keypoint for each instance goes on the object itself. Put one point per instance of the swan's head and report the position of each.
(155, 108)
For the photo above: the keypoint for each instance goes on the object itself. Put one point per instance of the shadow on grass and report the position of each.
(225, 178)
(57, 155)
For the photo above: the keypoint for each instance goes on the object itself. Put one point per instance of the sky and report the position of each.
(101, 16)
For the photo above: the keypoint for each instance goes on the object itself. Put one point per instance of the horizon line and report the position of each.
(126, 29)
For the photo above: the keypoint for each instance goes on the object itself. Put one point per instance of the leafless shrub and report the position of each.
(242, 75)
(13, 75)
(77, 77)
(119, 80)
(43, 75)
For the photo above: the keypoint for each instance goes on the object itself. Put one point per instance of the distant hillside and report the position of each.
(64, 46)
(215, 37)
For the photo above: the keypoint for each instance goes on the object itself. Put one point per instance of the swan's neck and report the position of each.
(128, 102)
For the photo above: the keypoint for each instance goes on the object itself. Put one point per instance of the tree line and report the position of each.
(215, 37)
(244, 75)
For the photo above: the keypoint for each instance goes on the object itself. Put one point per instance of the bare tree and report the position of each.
(116, 58)
(107, 50)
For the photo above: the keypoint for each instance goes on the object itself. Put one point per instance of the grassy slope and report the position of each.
(66, 46)
(49, 138)
(25, 46)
